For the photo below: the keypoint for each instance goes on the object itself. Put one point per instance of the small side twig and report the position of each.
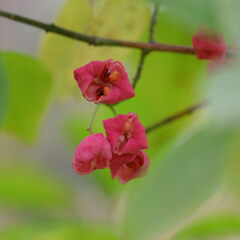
(145, 52)
(153, 22)
(175, 117)
(137, 76)
(112, 108)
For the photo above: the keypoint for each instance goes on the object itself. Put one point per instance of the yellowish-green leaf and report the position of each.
(96, 6)
(24, 186)
(118, 19)
(30, 85)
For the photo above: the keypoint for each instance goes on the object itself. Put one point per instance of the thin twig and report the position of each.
(145, 52)
(175, 117)
(142, 59)
(90, 130)
(153, 22)
(113, 110)
(97, 41)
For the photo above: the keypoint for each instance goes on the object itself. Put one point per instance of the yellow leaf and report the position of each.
(118, 19)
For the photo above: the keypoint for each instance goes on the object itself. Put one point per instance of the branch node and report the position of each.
(49, 27)
(95, 41)
(146, 51)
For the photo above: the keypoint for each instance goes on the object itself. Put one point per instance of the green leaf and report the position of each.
(30, 86)
(232, 175)
(229, 12)
(24, 186)
(214, 227)
(3, 92)
(194, 13)
(224, 95)
(63, 55)
(176, 186)
(60, 231)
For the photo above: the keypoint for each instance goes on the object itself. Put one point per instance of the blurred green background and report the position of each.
(192, 189)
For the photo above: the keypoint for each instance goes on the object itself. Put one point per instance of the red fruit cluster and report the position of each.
(121, 150)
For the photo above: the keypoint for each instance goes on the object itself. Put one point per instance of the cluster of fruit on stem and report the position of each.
(107, 82)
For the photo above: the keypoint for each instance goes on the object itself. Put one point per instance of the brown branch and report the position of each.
(176, 116)
(145, 52)
(96, 41)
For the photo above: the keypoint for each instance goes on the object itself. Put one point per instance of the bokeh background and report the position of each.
(192, 189)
